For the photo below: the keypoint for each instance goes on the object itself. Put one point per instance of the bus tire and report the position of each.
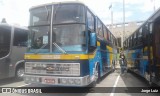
(19, 73)
(150, 84)
(98, 73)
(97, 76)
(113, 66)
(147, 77)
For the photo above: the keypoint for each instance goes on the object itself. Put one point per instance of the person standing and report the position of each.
(122, 62)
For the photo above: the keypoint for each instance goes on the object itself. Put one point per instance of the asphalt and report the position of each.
(110, 85)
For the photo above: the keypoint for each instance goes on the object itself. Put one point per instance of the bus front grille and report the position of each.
(71, 69)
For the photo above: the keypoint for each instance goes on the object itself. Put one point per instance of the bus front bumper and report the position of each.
(58, 80)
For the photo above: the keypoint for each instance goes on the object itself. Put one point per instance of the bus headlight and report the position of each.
(71, 81)
(64, 81)
(77, 81)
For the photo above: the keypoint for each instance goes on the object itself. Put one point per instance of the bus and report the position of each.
(68, 46)
(13, 45)
(143, 50)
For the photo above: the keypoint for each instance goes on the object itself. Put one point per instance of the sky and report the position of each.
(17, 11)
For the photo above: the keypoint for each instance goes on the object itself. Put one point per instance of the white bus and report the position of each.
(13, 43)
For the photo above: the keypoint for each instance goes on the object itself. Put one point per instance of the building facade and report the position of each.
(117, 29)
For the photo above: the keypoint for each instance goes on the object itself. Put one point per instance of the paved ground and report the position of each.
(110, 82)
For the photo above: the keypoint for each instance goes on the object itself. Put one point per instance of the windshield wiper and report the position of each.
(40, 48)
(59, 48)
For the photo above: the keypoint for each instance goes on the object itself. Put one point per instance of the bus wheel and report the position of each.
(96, 77)
(20, 73)
(97, 74)
(113, 66)
(147, 77)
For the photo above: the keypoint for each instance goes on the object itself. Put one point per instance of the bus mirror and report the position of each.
(93, 39)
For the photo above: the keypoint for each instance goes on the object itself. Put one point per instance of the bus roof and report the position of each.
(65, 2)
(15, 26)
(149, 20)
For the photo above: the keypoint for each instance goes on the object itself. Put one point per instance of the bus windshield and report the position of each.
(68, 29)
(40, 19)
(40, 16)
(5, 37)
(68, 13)
(38, 38)
(69, 37)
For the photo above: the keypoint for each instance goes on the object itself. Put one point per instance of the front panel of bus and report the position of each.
(57, 52)
(5, 42)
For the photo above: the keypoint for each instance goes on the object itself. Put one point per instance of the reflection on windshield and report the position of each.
(39, 37)
(67, 13)
(40, 16)
(5, 38)
(66, 37)
(69, 37)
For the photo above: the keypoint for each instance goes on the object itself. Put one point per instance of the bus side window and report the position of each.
(99, 28)
(5, 38)
(111, 39)
(105, 32)
(90, 20)
(20, 37)
(109, 36)
(150, 28)
(140, 36)
(135, 39)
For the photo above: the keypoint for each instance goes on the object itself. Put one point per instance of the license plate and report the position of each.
(48, 80)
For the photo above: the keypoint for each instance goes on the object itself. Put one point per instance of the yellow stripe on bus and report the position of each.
(110, 49)
(98, 43)
(151, 51)
(59, 57)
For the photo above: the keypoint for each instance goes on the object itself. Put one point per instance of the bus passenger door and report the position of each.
(104, 57)
(5, 35)
(4, 67)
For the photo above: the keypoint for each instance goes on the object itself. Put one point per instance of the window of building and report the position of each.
(114, 26)
(126, 24)
(139, 23)
(119, 25)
